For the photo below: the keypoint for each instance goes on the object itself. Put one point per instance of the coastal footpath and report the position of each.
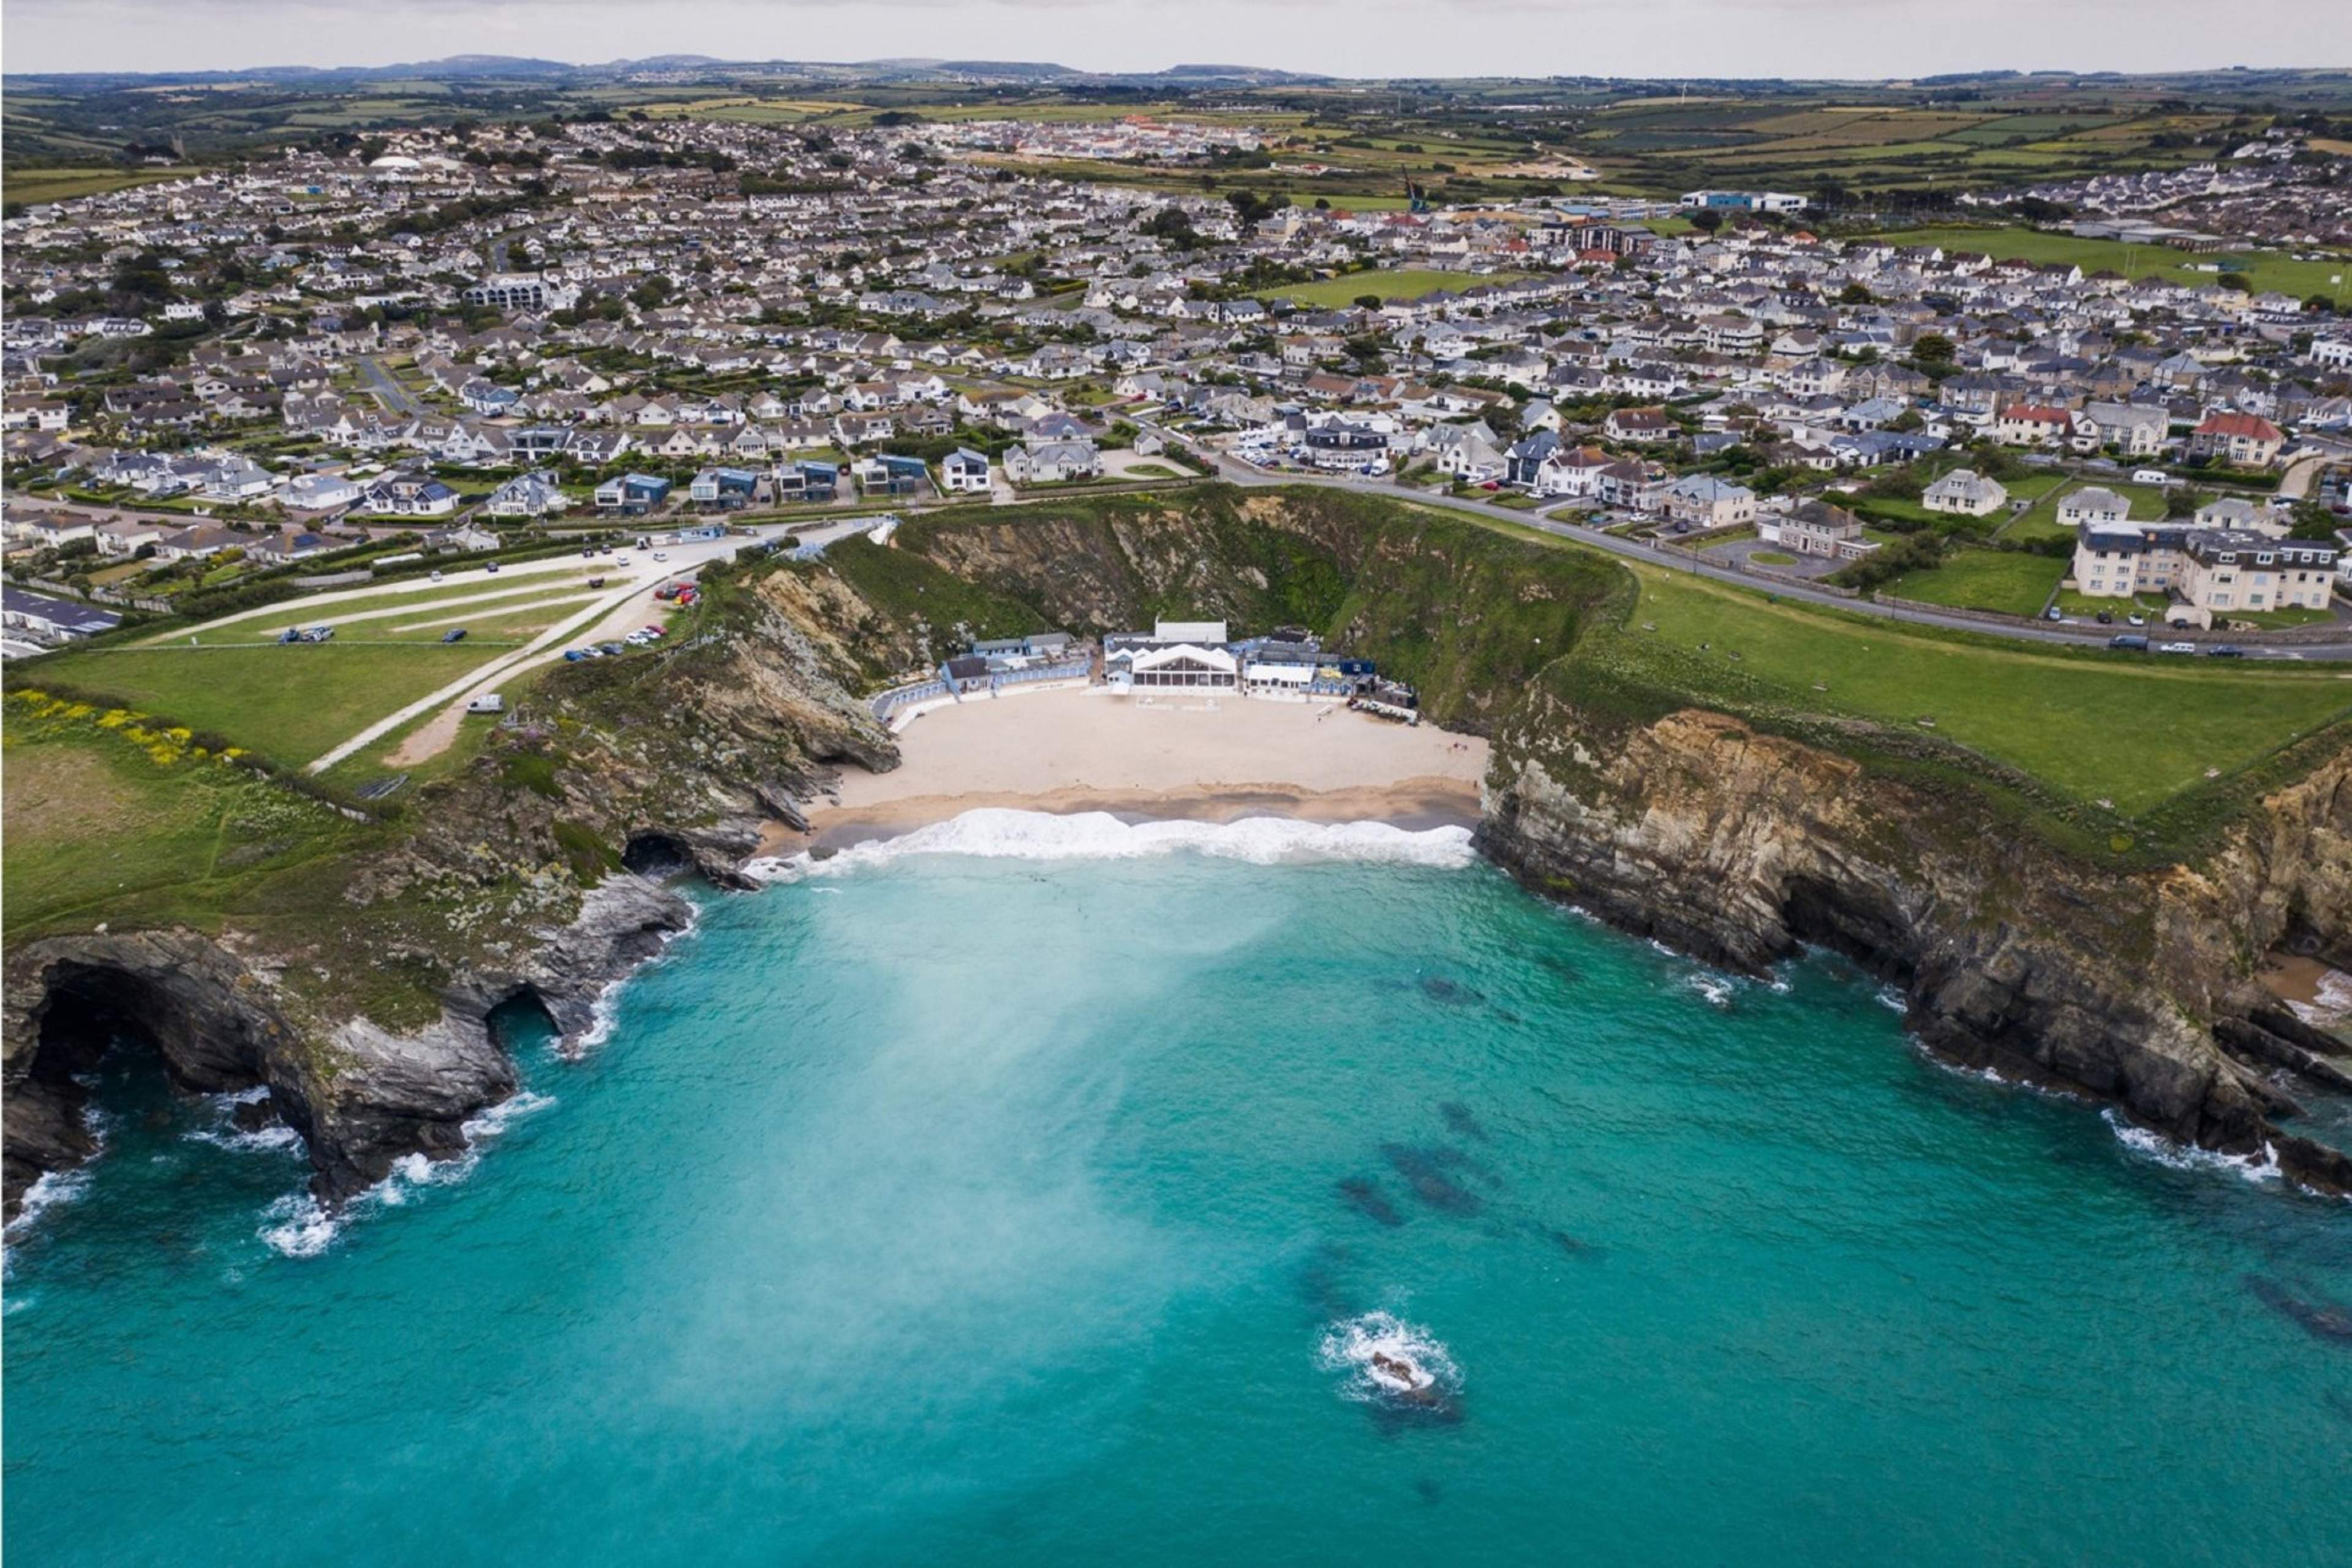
(2100, 948)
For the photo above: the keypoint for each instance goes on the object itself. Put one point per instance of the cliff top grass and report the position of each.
(112, 816)
(288, 703)
(2133, 729)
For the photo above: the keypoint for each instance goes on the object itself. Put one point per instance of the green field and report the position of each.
(103, 822)
(36, 186)
(2090, 725)
(498, 597)
(1406, 283)
(288, 703)
(2269, 271)
(2008, 580)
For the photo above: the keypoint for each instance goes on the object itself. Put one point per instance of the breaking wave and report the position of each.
(998, 832)
(300, 1226)
(2155, 1146)
(1348, 1348)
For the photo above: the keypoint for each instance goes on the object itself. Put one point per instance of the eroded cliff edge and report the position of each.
(359, 993)
(2130, 988)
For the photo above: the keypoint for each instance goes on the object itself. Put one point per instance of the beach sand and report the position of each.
(1161, 757)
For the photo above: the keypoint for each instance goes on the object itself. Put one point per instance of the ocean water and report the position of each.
(1048, 1207)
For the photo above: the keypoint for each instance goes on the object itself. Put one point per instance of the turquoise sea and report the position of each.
(945, 1209)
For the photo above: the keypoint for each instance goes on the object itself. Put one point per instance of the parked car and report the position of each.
(491, 567)
(572, 656)
(2225, 651)
(2104, 617)
(289, 635)
(2176, 647)
(661, 555)
(319, 634)
(596, 582)
(2128, 641)
(2054, 614)
(653, 631)
(437, 575)
(2134, 620)
(454, 634)
(610, 649)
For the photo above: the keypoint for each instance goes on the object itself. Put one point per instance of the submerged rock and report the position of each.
(1427, 1173)
(1365, 1197)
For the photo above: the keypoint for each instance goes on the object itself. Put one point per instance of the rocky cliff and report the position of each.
(367, 1016)
(2133, 988)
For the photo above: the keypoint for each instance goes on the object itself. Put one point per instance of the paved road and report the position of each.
(2067, 634)
(596, 622)
(387, 389)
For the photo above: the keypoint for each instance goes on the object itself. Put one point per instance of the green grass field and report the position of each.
(2007, 580)
(2090, 725)
(1408, 283)
(2268, 271)
(99, 827)
(288, 703)
(36, 186)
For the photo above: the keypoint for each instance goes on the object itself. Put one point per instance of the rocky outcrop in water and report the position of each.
(1740, 847)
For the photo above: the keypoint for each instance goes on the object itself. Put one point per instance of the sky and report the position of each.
(1842, 38)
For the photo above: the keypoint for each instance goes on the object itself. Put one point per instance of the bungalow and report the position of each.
(2093, 506)
(2231, 511)
(48, 620)
(1640, 425)
(408, 496)
(1051, 462)
(1964, 493)
(321, 492)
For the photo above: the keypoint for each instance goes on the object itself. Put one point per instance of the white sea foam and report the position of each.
(997, 832)
(2263, 1167)
(1349, 1347)
(49, 1190)
(299, 1225)
(1718, 989)
(226, 1134)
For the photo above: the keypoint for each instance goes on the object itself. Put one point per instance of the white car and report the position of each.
(661, 555)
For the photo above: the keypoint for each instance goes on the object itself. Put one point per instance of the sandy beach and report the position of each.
(1161, 757)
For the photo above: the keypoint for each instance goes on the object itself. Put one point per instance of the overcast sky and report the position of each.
(1358, 38)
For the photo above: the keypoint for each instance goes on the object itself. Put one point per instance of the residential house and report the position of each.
(2093, 506)
(964, 472)
(1964, 493)
(2245, 440)
(1817, 528)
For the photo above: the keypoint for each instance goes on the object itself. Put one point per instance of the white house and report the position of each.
(964, 472)
(1966, 493)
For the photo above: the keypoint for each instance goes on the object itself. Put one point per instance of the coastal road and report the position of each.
(2066, 633)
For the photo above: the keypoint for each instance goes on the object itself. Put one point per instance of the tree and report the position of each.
(1369, 302)
(2314, 521)
(2237, 280)
(1706, 222)
(1933, 348)
(1856, 293)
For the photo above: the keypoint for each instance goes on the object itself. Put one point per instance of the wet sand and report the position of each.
(1162, 758)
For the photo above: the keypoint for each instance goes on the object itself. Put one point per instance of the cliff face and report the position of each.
(514, 881)
(1740, 848)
